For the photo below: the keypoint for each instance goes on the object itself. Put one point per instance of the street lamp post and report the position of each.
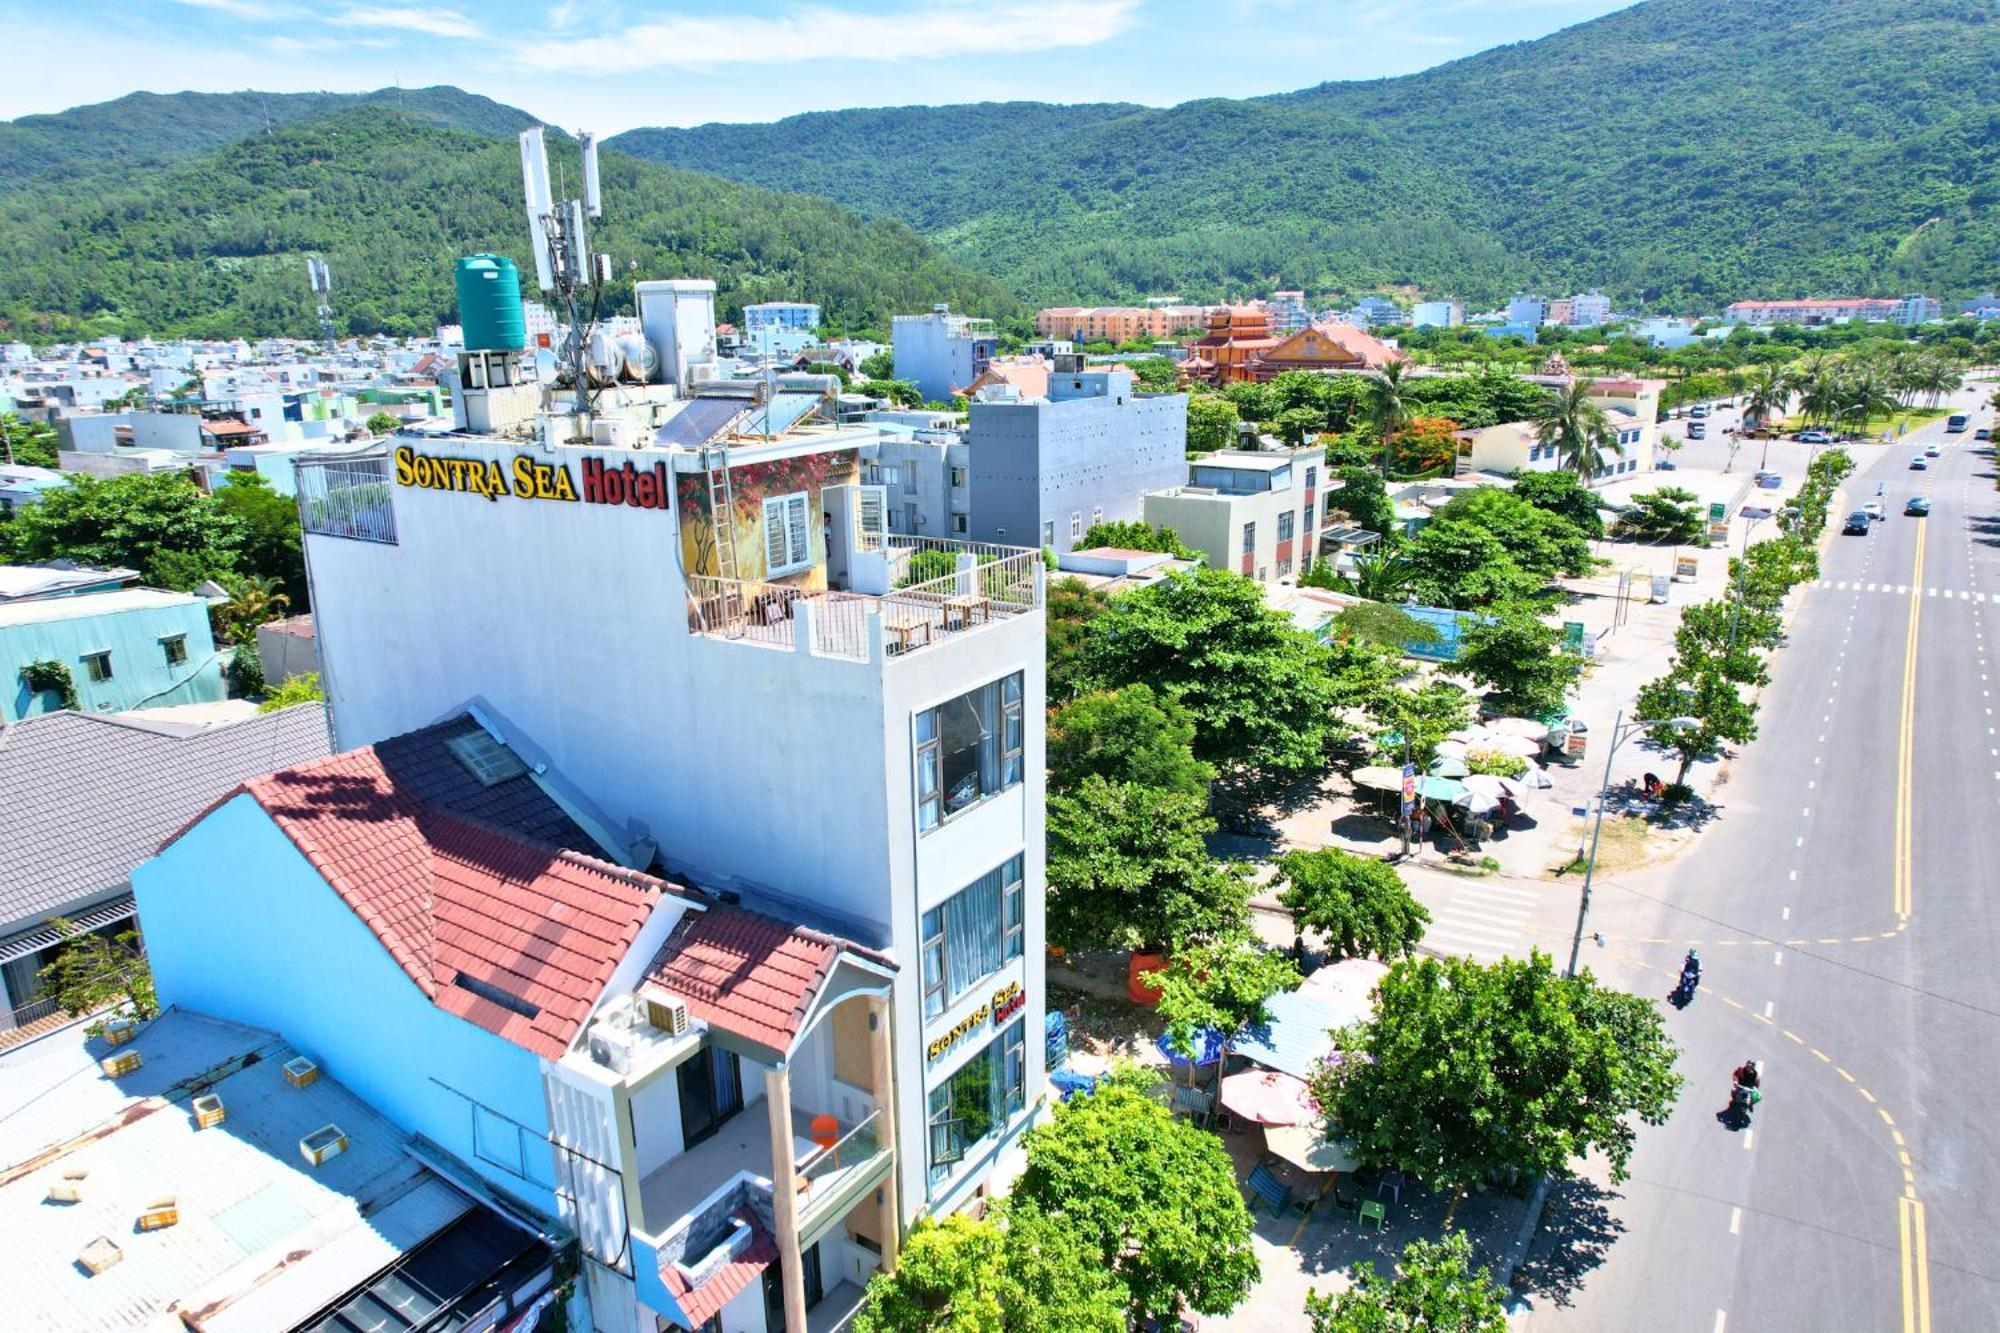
(1620, 732)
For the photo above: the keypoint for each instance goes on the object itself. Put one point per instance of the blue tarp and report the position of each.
(1208, 1048)
(1296, 1039)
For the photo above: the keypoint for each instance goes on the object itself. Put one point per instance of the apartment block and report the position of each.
(1257, 512)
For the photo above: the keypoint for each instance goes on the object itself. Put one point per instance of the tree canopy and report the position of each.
(1435, 1290)
(1127, 735)
(1128, 868)
(1358, 904)
(1519, 657)
(1015, 1271)
(155, 522)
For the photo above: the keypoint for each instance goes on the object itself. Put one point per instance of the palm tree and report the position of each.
(1382, 576)
(253, 600)
(1767, 393)
(1811, 377)
(1864, 396)
(1385, 408)
(1579, 429)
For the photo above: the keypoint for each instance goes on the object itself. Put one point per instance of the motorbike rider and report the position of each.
(1749, 1075)
(1691, 969)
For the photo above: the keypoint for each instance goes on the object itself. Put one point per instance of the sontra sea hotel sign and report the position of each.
(528, 478)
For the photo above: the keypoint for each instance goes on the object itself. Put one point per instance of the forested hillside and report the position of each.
(149, 129)
(216, 246)
(1680, 150)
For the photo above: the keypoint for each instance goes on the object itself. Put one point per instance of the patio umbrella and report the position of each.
(1525, 727)
(1448, 766)
(1452, 749)
(1348, 987)
(1536, 778)
(1379, 777)
(1476, 802)
(1496, 786)
(1306, 1146)
(1514, 745)
(1267, 1097)
(1208, 1048)
(1440, 789)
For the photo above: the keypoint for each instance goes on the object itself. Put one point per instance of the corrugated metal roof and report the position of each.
(44, 609)
(1296, 1038)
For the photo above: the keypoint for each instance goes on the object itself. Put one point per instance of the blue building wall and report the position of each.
(140, 674)
(239, 925)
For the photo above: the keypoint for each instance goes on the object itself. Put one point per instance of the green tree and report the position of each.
(1386, 410)
(300, 689)
(246, 669)
(1542, 543)
(381, 423)
(1380, 576)
(1436, 1290)
(1464, 565)
(27, 443)
(1471, 1072)
(1703, 694)
(1726, 637)
(1220, 984)
(1767, 393)
(1012, 1272)
(253, 601)
(1561, 494)
(93, 970)
(1416, 722)
(1072, 606)
(1380, 623)
(1362, 496)
(1257, 687)
(1669, 514)
(1358, 904)
(154, 522)
(272, 545)
(879, 365)
(1138, 535)
(1126, 735)
(1152, 1197)
(1579, 428)
(1128, 868)
(900, 393)
(1520, 659)
(1211, 424)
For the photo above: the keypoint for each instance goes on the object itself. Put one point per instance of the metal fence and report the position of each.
(347, 497)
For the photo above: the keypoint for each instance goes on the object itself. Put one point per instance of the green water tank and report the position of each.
(489, 304)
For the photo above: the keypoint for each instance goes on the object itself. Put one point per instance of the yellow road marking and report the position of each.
(1793, 1036)
(1821, 1054)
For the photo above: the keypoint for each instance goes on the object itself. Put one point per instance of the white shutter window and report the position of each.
(872, 516)
(786, 546)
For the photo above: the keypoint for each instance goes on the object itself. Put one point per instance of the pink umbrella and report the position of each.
(1268, 1098)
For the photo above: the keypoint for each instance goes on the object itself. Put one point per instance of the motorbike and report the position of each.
(1743, 1101)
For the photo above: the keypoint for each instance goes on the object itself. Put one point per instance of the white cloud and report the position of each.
(291, 46)
(257, 10)
(934, 32)
(431, 22)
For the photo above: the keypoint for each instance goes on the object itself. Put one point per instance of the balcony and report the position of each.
(930, 589)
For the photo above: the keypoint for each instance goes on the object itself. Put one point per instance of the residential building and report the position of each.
(1983, 307)
(779, 315)
(941, 353)
(1529, 310)
(1025, 376)
(1827, 311)
(1514, 447)
(1117, 324)
(286, 648)
(59, 578)
(22, 485)
(1288, 311)
(1665, 331)
(1044, 470)
(213, 1185)
(121, 648)
(85, 798)
(1589, 309)
(1258, 512)
(840, 726)
(1559, 311)
(926, 481)
(1918, 309)
(1530, 333)
(1322, 347)
(1447, 314)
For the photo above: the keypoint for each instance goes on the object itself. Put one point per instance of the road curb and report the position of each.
(1530, 1224)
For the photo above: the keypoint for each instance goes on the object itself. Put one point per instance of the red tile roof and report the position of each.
(701, 1302)
(748, 974)
(455, 901)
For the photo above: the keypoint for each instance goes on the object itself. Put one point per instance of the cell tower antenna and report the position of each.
(559, 234)
(322, 285)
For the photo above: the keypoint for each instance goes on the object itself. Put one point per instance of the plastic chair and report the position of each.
(1373, 1211)
(1392, 1181)
(825, 1132)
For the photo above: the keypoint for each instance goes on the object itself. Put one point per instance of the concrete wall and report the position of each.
(1071, 462)
(239, 925)
(140, 675)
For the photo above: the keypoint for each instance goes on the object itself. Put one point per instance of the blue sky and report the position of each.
(610, 65)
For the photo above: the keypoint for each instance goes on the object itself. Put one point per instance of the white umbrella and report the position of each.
(1308, 1147)
(1477, 802)
(1519, 746)
(1520, 726)
(1452, 749)
(1493, 784)
(1347, 987)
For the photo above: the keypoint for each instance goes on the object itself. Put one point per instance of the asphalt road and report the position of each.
(1846, 901)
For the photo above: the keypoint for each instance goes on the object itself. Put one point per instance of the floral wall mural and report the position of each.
(751, 485)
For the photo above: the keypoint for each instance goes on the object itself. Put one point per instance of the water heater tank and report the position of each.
(642, 362)
(489, 304)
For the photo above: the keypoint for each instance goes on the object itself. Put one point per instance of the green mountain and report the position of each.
(215, 245)
(1677, 151)
(150, 129)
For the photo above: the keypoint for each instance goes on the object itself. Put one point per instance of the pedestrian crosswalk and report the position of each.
(1485, 919)
(1903, 590)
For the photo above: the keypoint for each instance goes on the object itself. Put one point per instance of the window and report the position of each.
(1312, 477)
(348, 498)
(787, 548)
(1049, 533)
(1076, 525)
(1096, 514)
(1249, 537)
(1284, 567)
(98, 665)
(887, 476)
(175, 646)
(1308, 512)
(958, 523)
(958, 476)
(1286, 522)
(967, 750)
(971, 935)
(975, 1102)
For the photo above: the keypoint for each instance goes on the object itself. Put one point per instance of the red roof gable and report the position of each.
(748, 974)
(515, 937)
(700, 1303)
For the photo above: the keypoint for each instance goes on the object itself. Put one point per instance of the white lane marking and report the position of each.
(1795, 876)
(1801, 841)
(1777, 958)
(1788, 911)
(1735, 1226)
(1749, 1137)
(1806, 813)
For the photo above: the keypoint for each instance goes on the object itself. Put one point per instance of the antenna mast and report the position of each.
(322, 285)
(565, 267)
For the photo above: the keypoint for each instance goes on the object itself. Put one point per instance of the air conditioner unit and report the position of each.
(669, 1016)
(611, 1048)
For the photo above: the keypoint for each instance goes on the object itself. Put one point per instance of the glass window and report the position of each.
(958, 522)
(1076, 525)
(1249, 537)
(98, 665)
(958, 476)
(971, 935)
(967, 750)
(1049, 533)
(786, 530)
(176, 649)
(976, 1101)
(1312, 476)
(1308, 511)
(1285, 522)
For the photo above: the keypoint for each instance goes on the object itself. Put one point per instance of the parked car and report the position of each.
(1858, 524)
(1815, 437)
(1920, 464)
(1770, 481)
(1665, 465)
(1697, 430)
(1918, 506)
(1698, 411)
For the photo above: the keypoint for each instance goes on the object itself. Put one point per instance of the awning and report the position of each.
(1297, 1038)
(47, 936)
